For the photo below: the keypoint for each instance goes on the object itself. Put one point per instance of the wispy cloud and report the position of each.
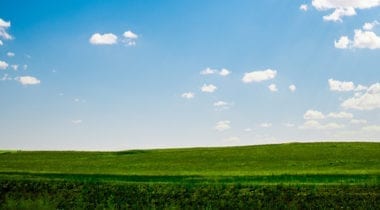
(188, 95)
(130, 38)
(222, 125)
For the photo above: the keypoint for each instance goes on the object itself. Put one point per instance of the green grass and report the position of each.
(283, 176)
(284, 163)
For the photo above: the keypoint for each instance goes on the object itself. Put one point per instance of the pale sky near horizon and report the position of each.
(114, 75)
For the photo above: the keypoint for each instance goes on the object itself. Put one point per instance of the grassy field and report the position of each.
(341, 171)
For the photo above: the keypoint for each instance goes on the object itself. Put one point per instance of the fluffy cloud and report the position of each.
(188, 95)
(343, 7)
(10, 54)
(292, 88)
(1, 43)
(312, 124)
(223, 72)
(130, 35)
(258, 76)
(3, 65)
(366, 39)
(340, 115)
(360, 88)
(103, 39)
(313, 115)
(222, 125)
(340, 86)
(337, 15)
(273, 88)
(4, 25)
(342, 43)
(362, 39)
(208, 88)
(370, 26)
(367, 101)
(28, 80)
(130, 38)
(303, 7)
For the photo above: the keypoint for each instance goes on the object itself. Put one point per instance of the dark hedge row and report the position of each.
(17, 194)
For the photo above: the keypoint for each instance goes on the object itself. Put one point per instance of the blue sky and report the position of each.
(113, 75)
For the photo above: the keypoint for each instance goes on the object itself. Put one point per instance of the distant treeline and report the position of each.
(42, 194)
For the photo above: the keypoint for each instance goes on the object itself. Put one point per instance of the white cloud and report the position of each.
(340, 115)
(208, 88)
(1, 43)
(338, 13)
(258, 76)
(208, 71)
(362, 39)
(25, 67)
(28, 80)
(130, 38)
(333, 4)
(343, 7)
(342, 43)
(340, 86)
(103, 39)
(248, 129)
(10, 54)
(303, 7)
(370, 26)
(371, 128)
(188, 95)
(273, 88)
(366, 39)
(292, 88)
(76, 121)
(315, 125)
(266, 125)
(224, 72)
(361, 88)
(14, 67)
(221, 105)
(368, 101)
(358, 121)
(4, 25)
(313, 115)
(222, 125)
(130, 35)
(3, 65)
